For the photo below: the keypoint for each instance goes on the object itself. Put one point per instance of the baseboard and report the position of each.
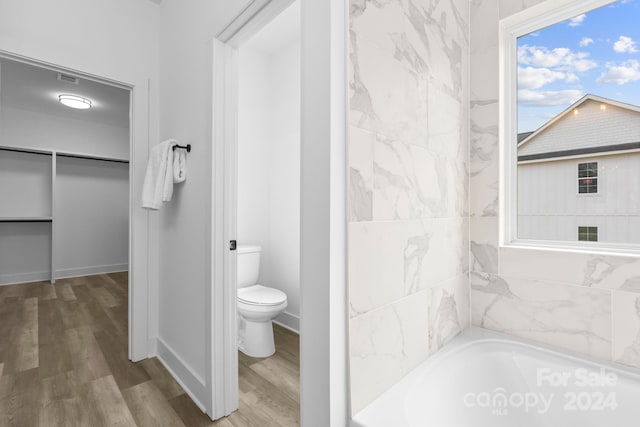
(152, 347)
(191, 382)
(288, 321)
(65, 273)
(14, 279)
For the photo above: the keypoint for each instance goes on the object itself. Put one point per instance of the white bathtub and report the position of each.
(487, 379)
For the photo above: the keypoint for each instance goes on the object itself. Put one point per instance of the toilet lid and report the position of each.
(261, 295)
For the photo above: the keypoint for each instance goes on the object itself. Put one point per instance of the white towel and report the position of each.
(158, 181)
(179, 165)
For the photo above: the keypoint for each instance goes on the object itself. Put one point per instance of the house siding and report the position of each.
(591, 127)
(550, 208)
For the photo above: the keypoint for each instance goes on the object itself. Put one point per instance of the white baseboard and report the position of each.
(152, 347)
(14, 279)
(65, 273)
(190, 381)
(288, 321)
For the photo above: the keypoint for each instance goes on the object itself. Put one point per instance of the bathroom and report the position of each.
(400, 122)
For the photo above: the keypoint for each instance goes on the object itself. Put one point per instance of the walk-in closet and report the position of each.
(64, 175)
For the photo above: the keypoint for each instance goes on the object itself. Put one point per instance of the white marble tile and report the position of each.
(388, 84)
(511, 7)
(544, 265)
(392, 259)
(385, 345)
(596, 271)
(483, 188)
(484, 158)
(409, 182)
(446, 114)
(360, 174)
(483, 12)
(484, 245)
(572, 317)
(448, 311)
(626, 328)
(612, 272)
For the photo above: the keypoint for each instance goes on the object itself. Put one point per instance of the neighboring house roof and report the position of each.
(523, 135)
(591, 125)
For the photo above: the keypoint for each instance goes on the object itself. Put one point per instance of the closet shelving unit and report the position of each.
(54, 154)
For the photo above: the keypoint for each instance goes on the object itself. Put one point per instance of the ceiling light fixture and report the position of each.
(74, 101)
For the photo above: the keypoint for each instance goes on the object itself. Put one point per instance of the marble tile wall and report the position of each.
(582, 302)
(409, 186)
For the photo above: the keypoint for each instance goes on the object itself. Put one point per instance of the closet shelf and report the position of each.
(27, 219)
(59, 153)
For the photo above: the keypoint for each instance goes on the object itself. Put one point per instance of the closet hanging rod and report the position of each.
(186, 147)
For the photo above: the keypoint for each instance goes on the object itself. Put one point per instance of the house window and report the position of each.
(566, 117)
(588, 178)
(588, 234)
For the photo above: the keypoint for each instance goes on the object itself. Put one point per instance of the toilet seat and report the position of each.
(261, 296)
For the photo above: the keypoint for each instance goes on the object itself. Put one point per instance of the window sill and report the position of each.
(625, 250)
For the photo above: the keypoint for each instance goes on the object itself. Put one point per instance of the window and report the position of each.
(588, 234)
(568, 120)
(588, 178)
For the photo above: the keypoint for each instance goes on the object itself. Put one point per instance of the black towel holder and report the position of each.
(187, 147)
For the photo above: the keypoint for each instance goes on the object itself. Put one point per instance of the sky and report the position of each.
(597, 53)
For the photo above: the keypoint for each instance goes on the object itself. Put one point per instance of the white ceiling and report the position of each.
(32, 88)
(282, 31)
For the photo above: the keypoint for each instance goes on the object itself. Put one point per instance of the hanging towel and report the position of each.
(179, 166)
(158, 181)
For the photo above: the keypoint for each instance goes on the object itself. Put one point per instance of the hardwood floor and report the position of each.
(63, 362)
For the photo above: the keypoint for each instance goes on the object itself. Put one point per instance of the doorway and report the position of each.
(65, 172)
(259, 167)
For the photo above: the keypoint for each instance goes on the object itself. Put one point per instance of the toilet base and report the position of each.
(255, 339)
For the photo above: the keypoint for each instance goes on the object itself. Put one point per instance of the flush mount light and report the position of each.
(74, 101)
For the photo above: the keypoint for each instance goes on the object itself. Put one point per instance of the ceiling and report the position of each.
(282, 31)
(32, 88)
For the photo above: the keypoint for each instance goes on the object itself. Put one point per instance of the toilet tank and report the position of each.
(248, 265)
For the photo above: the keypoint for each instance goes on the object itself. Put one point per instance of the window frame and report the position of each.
(510, 28)
(589, 231)
(597, 178)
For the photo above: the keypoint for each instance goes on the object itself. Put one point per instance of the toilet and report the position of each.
(258, 305)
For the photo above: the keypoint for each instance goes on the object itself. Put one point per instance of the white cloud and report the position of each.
(625, 45)
(571, 78)
(625, 72)
(586, 41)
(561, 57)
(535, 78)
(541, 98)
(577, 21)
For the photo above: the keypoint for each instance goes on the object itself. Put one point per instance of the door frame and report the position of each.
(138, 290)
(324, 388)
(222, 371)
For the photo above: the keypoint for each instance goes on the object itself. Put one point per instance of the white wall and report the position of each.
(184, 271)
(25, 184)
(269, 167)
(91, 216)
(284, 210)
(254, 145)
(31, 129)
(550, 207)
(31, 28)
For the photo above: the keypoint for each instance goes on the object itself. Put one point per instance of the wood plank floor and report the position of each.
(63, 362)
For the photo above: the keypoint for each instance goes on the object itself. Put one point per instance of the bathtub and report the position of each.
(487, 379)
